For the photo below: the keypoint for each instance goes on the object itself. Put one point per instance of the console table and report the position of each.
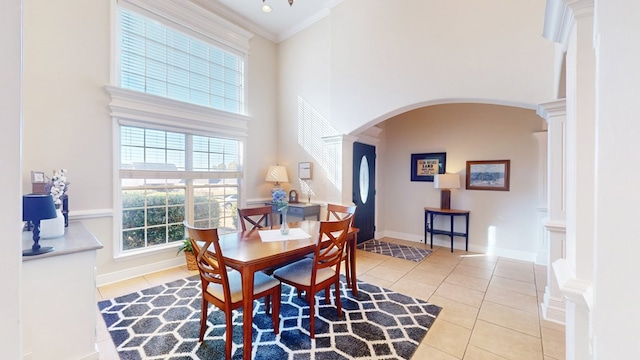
(59, 296)
(301, 210)
(431, 213)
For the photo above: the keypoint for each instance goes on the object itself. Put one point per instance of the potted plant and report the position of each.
(188, 253)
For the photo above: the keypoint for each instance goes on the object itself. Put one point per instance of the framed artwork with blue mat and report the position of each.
(162, 322)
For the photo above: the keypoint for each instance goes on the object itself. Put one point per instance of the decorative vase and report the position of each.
(284, 227)
(52, 228)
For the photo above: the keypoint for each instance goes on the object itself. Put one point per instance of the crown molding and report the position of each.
(560, 17)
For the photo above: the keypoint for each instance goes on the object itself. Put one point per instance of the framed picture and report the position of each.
(488, 175)
(424, 166)
(37, 177)
(304, 170)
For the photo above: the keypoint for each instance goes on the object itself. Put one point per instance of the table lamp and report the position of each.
(277, 174)
(446, 182)
(36, 207)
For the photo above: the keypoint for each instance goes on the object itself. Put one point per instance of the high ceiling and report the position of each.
(282, 22)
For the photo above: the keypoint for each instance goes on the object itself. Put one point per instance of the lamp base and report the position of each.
(41, 250)
(445, 199)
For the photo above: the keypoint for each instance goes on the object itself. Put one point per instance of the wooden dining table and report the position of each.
(246, 252)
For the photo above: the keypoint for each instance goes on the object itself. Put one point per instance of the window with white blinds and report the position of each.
(178, 109)
(161, 61)
(167, 177)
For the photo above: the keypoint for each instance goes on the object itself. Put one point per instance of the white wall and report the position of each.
(385, 59)
(465, 132)
(10, 181)
(368, 61)
(67, 122)
(616, 265)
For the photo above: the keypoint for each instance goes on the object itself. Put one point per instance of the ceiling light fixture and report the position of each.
(264, 7)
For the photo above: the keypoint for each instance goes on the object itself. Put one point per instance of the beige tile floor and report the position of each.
(490, 304)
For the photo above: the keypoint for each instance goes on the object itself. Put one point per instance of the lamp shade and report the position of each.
(446, 181)
(36, 207)
(277, 174)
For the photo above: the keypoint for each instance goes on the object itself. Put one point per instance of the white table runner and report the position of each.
(274, 235)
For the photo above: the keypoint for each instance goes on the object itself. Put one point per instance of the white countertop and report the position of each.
(76, 239)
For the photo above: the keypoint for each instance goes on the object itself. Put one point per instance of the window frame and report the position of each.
(133, 108)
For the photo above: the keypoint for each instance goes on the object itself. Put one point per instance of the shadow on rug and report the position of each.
(163, 323)
(395, 250)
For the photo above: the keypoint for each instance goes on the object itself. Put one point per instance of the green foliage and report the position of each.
(165, 213)
(185, 246)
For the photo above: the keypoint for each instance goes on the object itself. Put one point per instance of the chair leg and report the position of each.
(267, 304)
(338, 302)
(229, 337)
(275, 312)
(204, 310)
(347, 271)
(312, 317)
(326, 295)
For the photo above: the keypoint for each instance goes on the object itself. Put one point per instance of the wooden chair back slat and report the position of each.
(258, 217)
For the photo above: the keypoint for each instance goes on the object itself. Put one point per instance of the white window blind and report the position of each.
(161, 61)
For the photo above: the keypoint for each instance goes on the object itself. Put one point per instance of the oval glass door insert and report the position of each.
(364, 179)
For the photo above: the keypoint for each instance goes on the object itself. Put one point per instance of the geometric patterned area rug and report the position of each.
(395, 250)
(163, 323)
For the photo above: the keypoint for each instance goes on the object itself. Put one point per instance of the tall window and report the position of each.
(158, 60)
(178, 106)
(167, 177)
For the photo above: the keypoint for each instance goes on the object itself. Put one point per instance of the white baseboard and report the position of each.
(130, 273)
(553, 309)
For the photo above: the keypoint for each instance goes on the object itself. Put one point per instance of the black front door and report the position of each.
(364, 189)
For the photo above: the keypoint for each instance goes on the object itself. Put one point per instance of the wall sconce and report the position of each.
(446, 182)
(277, 174)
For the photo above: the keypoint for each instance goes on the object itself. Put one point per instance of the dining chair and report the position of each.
(222, 287)
(258, 217)
(339, 212)
(320, 272)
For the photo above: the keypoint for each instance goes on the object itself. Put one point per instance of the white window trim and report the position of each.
(131, 107)
(128, 107)
(134, 108)
(195, 20)
(189, 18)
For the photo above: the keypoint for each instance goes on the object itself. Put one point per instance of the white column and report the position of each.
(11, 180)
(553, 306)
(581, 146)
(542, 257)
(615, 315)
(338, 154)
(575, 273)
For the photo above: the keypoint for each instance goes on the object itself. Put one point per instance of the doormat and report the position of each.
(163, 322)
(395, 250)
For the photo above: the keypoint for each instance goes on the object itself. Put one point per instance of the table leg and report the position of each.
(431, 224)
(466, 238)
(352, 261)
(426, 218)
(451, 217)
(247, 311)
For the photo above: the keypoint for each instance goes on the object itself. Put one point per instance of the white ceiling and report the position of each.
(283, 21)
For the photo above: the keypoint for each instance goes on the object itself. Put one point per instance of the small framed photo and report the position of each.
(488, 175)
(304, 170)
(37, 177)
(424, 166)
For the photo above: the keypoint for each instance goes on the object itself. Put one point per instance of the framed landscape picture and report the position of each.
(424, 166)
(488, 175)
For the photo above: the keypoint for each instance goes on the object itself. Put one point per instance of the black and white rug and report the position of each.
(163, 323)
(395, 250)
